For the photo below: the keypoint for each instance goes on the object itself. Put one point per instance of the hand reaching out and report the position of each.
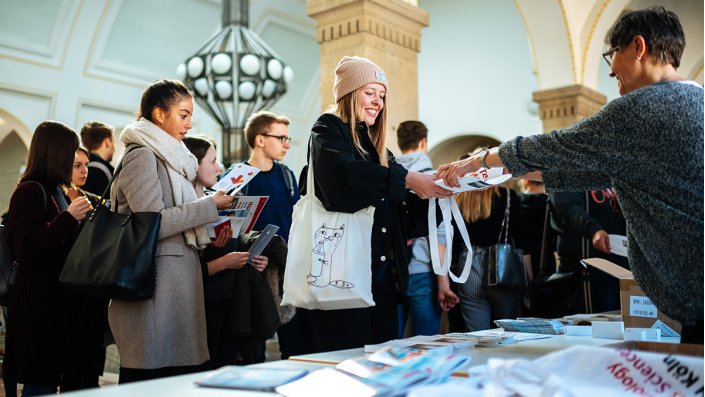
(601, 241)
(424, 186)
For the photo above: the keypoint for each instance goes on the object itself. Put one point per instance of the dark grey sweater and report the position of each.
(648, 145)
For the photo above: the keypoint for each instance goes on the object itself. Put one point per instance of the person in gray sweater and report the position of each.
(648, 146)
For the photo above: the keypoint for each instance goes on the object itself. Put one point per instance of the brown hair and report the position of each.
(84, 150)
(259, 123)
(410, 133)
(198, 145)
(51, 154)
(93, 133)
(346, 110)
(161, 94)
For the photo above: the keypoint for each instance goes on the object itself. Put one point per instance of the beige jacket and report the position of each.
(169, 329)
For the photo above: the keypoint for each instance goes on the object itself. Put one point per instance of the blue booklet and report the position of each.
(262, 379)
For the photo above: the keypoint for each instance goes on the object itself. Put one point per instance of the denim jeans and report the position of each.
(423, 305)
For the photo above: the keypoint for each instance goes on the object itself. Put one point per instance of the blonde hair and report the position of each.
(476, 205)
(346, 109)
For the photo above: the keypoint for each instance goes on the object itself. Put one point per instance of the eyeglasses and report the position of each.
(282, 138)
(608, 56)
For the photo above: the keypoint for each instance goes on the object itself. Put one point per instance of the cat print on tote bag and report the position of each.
(325, 241)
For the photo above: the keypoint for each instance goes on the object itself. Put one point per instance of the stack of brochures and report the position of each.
(241, 217)
(261, 379)
(532, 325)
(390, 371)
(444, 344)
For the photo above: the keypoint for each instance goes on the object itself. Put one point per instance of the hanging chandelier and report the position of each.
(234, 75)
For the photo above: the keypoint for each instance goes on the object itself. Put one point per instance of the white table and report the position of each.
(529, 349)
(184, 386)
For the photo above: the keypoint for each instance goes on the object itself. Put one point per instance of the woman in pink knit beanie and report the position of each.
(354, 170)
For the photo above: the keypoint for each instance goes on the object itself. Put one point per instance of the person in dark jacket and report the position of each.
(98, 138)
(221, 261)
(353, 170)
(583, 222)
(41, 229)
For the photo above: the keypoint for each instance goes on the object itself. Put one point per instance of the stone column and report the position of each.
(388, 32)
(562, 107)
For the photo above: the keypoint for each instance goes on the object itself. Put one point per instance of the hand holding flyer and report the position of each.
(478, 180)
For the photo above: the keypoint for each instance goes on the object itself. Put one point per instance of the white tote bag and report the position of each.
(328, 266)
(449, 210)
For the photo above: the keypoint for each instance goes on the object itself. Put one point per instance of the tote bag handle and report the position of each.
(449, 210)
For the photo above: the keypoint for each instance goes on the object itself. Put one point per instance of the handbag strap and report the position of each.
(504, 231)
(544, 239)
(101, 201)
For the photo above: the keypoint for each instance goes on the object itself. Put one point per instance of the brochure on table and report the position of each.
(263, 379)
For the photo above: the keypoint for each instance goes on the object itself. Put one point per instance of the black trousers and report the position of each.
(298, 336)
(692, 333)
(130, 375)
(351, 328)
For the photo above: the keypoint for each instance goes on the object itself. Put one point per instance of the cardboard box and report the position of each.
(685, 349)
(636, 308)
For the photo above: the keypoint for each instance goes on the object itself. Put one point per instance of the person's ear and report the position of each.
(158, 115)
(107, 142)
(639, 46)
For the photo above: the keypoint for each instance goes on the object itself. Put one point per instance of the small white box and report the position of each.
(650, 333)
(578, 330)
(608, 329)
(637, 334)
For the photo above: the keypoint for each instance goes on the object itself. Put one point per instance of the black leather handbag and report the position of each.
(503, 262)
(113, 256)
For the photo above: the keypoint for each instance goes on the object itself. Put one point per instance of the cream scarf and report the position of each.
(181, 167)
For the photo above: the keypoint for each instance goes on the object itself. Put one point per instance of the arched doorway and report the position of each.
(15, 138)
(451, 149)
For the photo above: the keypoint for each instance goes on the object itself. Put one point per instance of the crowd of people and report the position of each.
(633, 169)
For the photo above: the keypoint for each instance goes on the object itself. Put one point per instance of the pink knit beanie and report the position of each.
(355, 72)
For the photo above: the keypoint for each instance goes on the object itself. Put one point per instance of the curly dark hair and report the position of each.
(660, 28)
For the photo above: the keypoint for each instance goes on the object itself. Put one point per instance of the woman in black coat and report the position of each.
(41, 229)
(353, 170)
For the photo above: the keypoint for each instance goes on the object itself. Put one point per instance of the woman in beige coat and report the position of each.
(165, 335)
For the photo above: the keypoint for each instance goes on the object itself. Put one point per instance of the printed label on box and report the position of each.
(666, 331)
(641, 306)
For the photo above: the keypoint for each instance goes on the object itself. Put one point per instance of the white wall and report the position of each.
(475, 71)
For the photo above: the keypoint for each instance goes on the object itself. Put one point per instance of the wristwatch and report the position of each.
(483, 156)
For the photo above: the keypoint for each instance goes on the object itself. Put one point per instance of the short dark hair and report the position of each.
(410, 133)
(93, 133)
(161, 94)
(259, 123)
(198, 145)
(660, 28)
(51, 154)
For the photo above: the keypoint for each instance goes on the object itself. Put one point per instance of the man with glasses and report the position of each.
(268, 137)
